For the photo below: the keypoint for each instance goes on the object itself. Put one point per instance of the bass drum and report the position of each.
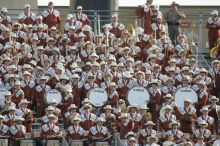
(183, 93)
(138, 96)
(53, 95)
(98, 97)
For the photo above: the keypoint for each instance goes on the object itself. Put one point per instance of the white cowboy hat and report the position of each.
(100, 119)
(50, 108)
(174, 123)
(108, 107)
(214, 12)
(123, 115)
(24, 101)
(127, 74)
(214, 98)
(68, 88)
(87, 106)
(18, 83)
(75, 76)
(81, 34)
(86, 100)
(144, 107)
(168, 96)
(63, 77)
(26, 73)
(201, 83)
(204, 108)
(7, 93)
(72, 106)
(53, 101)
(18, 118)
(187, 100)
(75, 118)
(203, 122)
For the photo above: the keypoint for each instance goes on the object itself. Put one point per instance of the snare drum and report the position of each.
(3, 142)
(98, 96)
(101, 144)
(76, 143)
(53, 95)
(138, 96)
(53, 143)
(26, 143)
(185, 92)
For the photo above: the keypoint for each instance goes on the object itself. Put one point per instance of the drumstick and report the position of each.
(107, 137)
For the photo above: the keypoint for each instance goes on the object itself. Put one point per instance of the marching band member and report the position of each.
(132, 142)
(51, 17)
(121, 107)
(151, 60)
(84, 102)
(134, 116)
(202, 131)
(17, 131)
(10, 82)
(90, 83)
(168, 87)
(166, 118)
(184, 72)
(116, 27)
(152, 141)
(203, 95)
(140, 81)
(157, 27)
(70, 114)
(50, 130)
(4, 129)
(155, 99)
(145, 12)
(109, 116)
(172, 64)
(6, 19)
(67, 98)
(186, 82)
(18, 94)
(99, 132)
(113, 95)
(146, 132)
(10, 116)
(168, 100)
(177, 134)
(75, 131)
(213, 111)
(183, 45)
(200, 141)
(125, 55)
(27, 17)
(54, 104)
(49, 110)
(40, 24)
(125, 84)
(7, 102)
(146, 115)
(77, 89)
(209, 120)
(213, 24)
(187, 116)
(25, 113)
(215, 75)
(156, 72)
(83, 18)
(27, 85)
(40, 92)
(125, 125)
(87, 118)
(72, 21)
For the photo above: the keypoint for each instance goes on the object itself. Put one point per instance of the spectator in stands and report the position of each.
(51, 17)
(173, 18)
(27, 17)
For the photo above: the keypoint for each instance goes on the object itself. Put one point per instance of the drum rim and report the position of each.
(94, 89)
(137, 87)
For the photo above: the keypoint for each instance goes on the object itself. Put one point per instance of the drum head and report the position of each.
(98, 97)
(138, 96)
(183, 93)
(53, 94)
(3, 90)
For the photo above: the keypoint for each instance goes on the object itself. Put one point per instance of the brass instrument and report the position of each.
(131, 30)
(214, 50)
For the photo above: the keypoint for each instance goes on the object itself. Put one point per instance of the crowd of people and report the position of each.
(37, 59)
